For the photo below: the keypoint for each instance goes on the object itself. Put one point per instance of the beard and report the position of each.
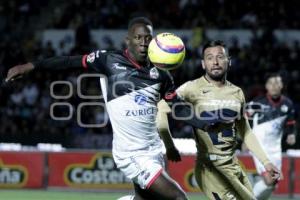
(217, 76)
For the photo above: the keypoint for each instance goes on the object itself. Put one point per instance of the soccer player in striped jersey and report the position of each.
(131, 88)
(272, 115)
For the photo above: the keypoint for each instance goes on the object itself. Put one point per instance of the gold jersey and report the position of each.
(212, 103)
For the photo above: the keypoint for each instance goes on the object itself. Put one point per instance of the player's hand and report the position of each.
(291, 139)
(18, 71)
(173, 154)
(273, 173)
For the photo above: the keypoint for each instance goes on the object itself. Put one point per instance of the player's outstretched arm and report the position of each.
(250, 140)
(18, 71)
(55, 63)
(254, 146)
(164, 131)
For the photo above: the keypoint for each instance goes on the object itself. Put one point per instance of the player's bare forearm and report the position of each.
(173, 154)
(251, 141)
(164, 132)
(163, 124)
(166, 138)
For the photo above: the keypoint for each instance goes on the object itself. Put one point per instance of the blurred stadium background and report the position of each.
(39, 152)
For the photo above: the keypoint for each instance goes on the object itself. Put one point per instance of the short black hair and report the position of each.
(272, 75)
(139, 20)
(214, 43)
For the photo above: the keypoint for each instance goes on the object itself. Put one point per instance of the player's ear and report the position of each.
(266, 85)
(229, 61)
(127, 40)
(203, 65)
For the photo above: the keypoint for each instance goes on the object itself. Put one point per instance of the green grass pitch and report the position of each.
(74, 195)
(66, 195)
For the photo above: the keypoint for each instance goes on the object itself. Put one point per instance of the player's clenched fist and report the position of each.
(273, 172)
(18, 71)
(173, 154)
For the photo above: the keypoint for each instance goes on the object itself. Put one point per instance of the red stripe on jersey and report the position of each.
(170, 95)
(154, 178)
(274, 103)
(126, 54)
(291, 122)
(83, 61)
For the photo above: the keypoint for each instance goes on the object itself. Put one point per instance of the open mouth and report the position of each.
(143, 53)
(216, 69)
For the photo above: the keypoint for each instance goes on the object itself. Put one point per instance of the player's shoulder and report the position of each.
(163, 106)
(198, 82)
(111, 52)
(232, 85)
(189, 85)
(102, 53)
(287, 100)
(235, 88)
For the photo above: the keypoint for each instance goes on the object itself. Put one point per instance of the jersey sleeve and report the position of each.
(59, 63)
(290, 126)
(183, 110)
(95, 61)
(163, 106)
(182, 91)
(244, 130)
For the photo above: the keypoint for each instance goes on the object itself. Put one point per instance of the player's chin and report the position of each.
(142, 56)
(217, 75)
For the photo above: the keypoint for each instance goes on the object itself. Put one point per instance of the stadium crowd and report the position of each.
(24, 110)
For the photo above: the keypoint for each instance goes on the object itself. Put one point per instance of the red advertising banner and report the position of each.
(183, 173)
(295, 175)
(21, 169)
(85, 170)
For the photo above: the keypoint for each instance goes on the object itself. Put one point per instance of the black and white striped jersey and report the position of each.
(270, 119)
(131, 93)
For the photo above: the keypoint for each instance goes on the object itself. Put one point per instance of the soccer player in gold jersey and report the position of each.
(215, 99)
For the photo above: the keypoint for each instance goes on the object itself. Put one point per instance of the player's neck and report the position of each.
(132, 59)
(275, 98)
(218, 83)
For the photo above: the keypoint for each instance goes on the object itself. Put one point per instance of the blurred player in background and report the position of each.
(217, 171)
(271, 116)
(132, 88)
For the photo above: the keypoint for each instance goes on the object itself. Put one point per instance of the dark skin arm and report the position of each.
(164, 132)
(54, 63)
(18, 71)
